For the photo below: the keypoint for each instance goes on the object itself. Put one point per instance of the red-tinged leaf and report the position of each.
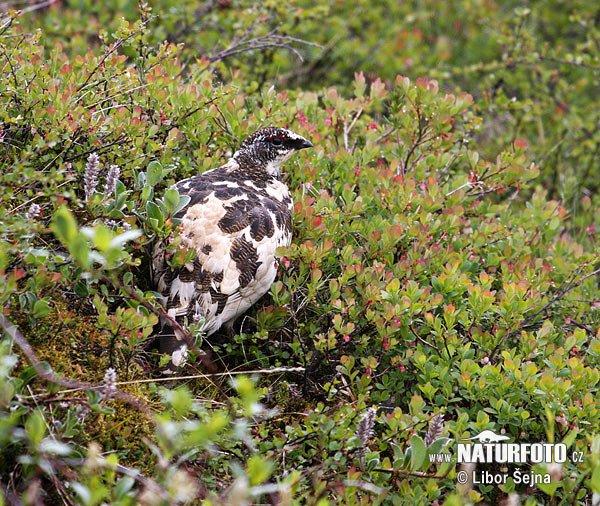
(317, 222)
(520, 143)
(466, 97)
(396, 231)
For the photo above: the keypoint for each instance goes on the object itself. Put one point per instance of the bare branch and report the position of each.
(15, 334)
(267, 41)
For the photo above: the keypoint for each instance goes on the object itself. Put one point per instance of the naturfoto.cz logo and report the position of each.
(488, 447)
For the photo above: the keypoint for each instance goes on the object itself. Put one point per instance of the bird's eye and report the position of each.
(276, 141)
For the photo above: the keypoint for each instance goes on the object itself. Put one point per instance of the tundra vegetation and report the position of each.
(443, 276)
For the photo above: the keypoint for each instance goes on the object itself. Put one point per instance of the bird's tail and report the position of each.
(173, 347)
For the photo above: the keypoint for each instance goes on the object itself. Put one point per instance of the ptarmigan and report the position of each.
(238, 215)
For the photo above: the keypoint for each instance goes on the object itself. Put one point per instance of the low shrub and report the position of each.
(430, 293)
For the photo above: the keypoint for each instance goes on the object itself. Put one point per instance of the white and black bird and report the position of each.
(237, 216)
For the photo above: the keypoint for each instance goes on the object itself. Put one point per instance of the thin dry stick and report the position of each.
(110, 51)
(176, 326)
(267, 41)
(348, 129)
(196, 376)
(572, 284)
(127, 471)
(172, 322)
(49, 375)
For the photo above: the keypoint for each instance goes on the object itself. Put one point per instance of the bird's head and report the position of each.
(268, 148)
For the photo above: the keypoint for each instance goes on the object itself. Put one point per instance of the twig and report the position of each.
(269, 40)
(190, 341)
(15, 334)
(10, 496)
(110, 51)
(424, 341)
(173, 323)
(572, 284)
(410, 473)
(561, 294)
(385, 134)
(196, 109)
(348, 129)
(466, 185)
(36, 7)
(191, 376)
(127, 471)
(123, 92)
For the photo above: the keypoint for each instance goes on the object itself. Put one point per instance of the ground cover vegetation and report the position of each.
(442, 280)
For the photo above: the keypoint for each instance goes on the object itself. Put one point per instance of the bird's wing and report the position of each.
(234, 231)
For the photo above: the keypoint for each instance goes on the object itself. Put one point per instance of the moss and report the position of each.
(73, 346)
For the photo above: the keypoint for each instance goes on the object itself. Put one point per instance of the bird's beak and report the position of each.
(303, 143)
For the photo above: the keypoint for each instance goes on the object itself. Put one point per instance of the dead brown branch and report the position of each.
(17, 337)
(270, 40)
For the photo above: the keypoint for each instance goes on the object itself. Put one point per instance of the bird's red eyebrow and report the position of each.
(280, 136)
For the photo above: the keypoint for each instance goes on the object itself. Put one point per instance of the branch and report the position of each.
(561, 294)
(572, 284)
(190, 341)
(110, 51)
(9, 496)
(269, 40)
(15, 334)
(348, 129)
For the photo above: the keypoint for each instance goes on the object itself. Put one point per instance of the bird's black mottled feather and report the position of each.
(237, 216)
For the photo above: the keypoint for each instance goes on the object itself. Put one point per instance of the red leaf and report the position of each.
(520, 143)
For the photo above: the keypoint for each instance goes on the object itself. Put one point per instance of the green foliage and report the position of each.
(443, 261)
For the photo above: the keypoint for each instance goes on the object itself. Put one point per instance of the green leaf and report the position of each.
(171, 199)
(184, 200)
(200, 434)
(419, 452)
(259, 469)
(154, 173)
(153, 212)
(80, 250)
(53, 447)
(123, 486)
(121, 239)
(438, 445)
(40, 308)
(102, 237)
(181, 400)
(83, 492)
(64, 225)
(595, 479)
(81, 288)
(35, 428)
(570, 438)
